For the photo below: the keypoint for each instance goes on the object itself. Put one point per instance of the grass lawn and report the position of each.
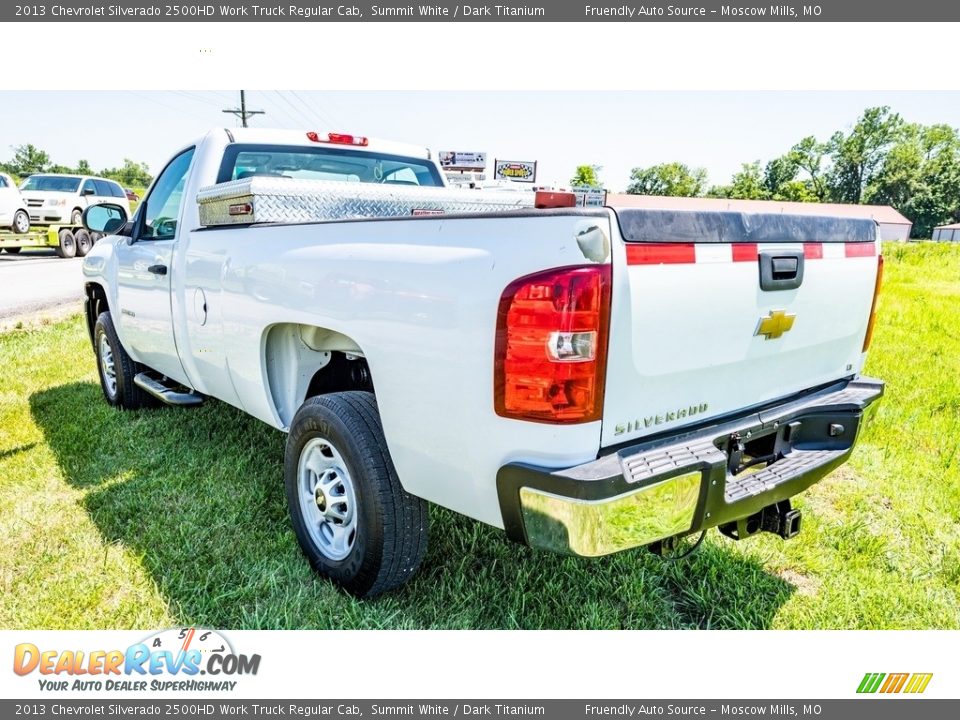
(176, 517)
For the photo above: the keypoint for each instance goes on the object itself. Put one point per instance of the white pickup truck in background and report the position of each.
(590, 380)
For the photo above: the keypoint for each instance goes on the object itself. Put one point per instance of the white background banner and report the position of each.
(517, 664)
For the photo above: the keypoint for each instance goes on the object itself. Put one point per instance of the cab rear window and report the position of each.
(322, 163)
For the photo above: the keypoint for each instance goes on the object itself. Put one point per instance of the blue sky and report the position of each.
(618, 130)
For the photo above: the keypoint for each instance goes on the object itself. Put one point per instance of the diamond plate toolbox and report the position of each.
(286, 200)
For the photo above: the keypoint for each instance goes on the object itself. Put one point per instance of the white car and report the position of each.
(13, 206)
(588, 379)
(61, 199)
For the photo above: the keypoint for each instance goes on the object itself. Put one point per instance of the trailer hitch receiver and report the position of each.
(779, 519)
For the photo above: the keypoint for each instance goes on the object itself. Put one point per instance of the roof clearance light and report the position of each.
(339, 139)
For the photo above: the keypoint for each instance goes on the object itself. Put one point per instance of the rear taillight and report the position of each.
(873, 307)
(551, 346)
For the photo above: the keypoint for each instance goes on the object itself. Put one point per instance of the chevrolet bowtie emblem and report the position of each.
(775, 325)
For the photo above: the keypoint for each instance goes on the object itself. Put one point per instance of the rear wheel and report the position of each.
(21, 222)
(117, 369)
(76, 217)
(84, 242)
(354, 521)
(67, 247)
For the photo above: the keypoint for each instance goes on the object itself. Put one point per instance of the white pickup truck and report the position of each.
(589, 380)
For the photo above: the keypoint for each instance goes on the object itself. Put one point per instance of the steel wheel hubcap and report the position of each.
(327, 499)
(108, 366)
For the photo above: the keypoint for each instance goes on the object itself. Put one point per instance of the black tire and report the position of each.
(84, 242)
(21, 222)
(76, 217)
(125, 395)
(95, 237)
(13, 250)
(391, 525)
(68, 244)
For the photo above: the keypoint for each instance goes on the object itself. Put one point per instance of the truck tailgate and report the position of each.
(716, 312)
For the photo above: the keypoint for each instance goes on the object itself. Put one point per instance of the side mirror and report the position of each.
(108, 219)
(87, 191)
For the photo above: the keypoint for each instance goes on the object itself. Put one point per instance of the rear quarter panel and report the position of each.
(420, 298)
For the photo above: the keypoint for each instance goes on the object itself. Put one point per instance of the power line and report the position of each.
(223, 95)
(309, 121)
(179, 110)
(322, 115)
(195, 97)
(242, 111)
(288, 119)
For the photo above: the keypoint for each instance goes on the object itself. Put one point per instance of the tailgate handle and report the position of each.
(781, 270)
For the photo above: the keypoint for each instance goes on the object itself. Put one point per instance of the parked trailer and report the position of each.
(67, 240)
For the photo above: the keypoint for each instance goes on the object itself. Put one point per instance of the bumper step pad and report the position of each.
(638, 468)
(794, 465)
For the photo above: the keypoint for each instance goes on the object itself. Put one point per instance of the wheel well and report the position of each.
(345, 371)
(303, 361)
(94, 304)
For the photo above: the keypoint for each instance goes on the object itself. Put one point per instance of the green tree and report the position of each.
(858, 155)
(674, 178)
(27, 160)
(920, 176)
(83, 168)
(132, 173)
(779, 174)
(808, 155)
(796, 191)
(586, 176)
(748, 183)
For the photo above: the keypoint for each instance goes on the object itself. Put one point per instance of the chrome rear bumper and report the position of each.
(676, 485)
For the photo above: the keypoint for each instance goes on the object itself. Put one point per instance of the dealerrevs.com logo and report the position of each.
(169, 660)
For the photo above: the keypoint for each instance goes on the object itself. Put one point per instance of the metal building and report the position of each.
(947, 233)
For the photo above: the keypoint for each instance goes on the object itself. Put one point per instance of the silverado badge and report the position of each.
(775, 324)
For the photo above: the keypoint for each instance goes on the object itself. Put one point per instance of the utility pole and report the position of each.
(242, 112)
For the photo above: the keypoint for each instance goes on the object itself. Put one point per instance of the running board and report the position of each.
(172, 394)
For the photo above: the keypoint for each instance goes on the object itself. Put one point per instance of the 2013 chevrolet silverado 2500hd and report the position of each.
(589, 380)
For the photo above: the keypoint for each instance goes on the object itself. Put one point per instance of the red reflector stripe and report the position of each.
(661, 253)
(860, 249)
(674, 253)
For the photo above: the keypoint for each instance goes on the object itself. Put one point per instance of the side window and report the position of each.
(3, 181)
(116, 190)
(161, 208)
(89, 188)
(103, 188)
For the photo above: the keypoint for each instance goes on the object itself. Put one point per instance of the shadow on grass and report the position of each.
(4, 454)
(198, 495)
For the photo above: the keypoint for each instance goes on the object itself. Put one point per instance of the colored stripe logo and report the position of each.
(912, 683)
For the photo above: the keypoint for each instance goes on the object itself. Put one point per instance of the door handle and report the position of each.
(785, 268)
(781, 270)
(157, 269)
